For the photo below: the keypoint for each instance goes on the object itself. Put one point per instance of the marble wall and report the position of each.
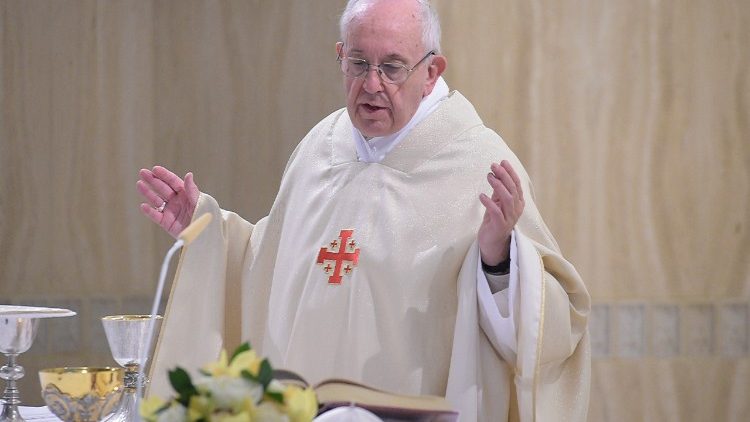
(632, 118)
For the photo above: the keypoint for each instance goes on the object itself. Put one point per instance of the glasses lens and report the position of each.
(393, 73)
(353, 67)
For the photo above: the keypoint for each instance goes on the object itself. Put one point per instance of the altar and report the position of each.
(38, 414)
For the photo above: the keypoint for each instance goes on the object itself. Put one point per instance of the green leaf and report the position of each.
(265, 375)
(244, 347)
(247, 375)
(182, 384)
(275, 396)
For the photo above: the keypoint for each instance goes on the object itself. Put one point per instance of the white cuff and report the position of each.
(496, 309)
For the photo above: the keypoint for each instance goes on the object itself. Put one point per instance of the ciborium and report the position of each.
(129, 343)
(81, 394)
(18, 327)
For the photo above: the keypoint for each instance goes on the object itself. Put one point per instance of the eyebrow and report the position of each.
(387, 58)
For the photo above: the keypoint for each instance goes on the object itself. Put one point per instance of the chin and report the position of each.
(373, 130)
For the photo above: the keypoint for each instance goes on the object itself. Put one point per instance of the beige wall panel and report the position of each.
(629, 117)
(238, 85)
(632, 118)
(77, 117)
(685, 389)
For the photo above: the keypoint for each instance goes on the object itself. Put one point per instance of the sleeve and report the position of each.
(495, 297)
(548, 374)
(202, 296)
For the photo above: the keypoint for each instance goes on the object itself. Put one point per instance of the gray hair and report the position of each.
(429, 18)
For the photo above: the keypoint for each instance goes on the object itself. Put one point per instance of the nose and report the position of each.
(373, 83)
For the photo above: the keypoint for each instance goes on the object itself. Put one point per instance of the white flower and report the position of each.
(267, 412)
(276, 386)
(229, 392)
(174, 413)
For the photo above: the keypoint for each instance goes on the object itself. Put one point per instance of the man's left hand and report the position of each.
(501, 213)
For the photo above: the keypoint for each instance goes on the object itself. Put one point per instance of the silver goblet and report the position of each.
(16, 336)
(128, 340)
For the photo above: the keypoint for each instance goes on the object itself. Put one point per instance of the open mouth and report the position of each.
(372, 108)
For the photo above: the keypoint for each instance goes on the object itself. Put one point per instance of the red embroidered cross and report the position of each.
(349, 255)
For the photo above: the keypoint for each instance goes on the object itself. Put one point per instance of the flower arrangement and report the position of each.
(238, 389)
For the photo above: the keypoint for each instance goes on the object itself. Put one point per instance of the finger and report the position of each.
(506, 201)
(502, 174)
(492, 208)
(514, 176)
(145, 175)
(157, 185)
(191, 188)
(171, 179)
(151, 213)
(499, 191)
(150, 196)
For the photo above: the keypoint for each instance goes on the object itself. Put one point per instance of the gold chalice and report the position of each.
(81, 394)
(128, 341)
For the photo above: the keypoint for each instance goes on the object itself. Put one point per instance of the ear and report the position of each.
(340, 49)
(434, 70)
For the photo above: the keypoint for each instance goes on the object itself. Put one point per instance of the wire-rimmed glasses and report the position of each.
(390, 72)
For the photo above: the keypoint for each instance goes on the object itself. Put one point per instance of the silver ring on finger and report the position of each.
(161, 207)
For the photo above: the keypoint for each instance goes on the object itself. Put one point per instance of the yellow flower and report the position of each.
(300, 405)
(200, 407)
(245, 406)
(247, 360)
(228, 417)
(218, 368)
(149, 407)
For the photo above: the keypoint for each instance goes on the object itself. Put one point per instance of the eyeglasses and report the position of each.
(392, 73)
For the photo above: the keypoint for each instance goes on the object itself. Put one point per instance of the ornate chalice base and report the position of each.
(127, 408)
(87, 408)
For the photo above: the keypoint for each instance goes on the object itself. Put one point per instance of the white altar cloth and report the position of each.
(37, 414)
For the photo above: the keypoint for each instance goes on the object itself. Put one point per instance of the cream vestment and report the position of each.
(368, 271)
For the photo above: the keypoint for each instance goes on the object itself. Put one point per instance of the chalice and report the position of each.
(18, 327)
(129, 343)
(16, 336)
(81, 394)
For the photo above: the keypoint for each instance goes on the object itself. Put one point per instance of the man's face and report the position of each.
(386, 32)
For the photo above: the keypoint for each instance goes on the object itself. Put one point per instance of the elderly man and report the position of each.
(397, 252)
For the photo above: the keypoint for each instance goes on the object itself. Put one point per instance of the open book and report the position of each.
(389, 406)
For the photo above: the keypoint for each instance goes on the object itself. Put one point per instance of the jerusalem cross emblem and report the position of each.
(339, 257)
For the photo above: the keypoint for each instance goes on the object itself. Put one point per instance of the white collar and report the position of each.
(375, 149)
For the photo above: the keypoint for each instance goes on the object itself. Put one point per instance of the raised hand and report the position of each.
(170, 200)
(501, 213)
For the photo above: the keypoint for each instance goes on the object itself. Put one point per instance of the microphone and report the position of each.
(194, 229)
(186, 236)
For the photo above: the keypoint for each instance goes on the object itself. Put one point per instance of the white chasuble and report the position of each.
(367, 271)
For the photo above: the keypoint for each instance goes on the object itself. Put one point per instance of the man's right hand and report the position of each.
(170, 201)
